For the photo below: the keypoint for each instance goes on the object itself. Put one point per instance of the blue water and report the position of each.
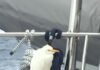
(8, 62)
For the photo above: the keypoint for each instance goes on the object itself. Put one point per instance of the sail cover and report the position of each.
(41, 15)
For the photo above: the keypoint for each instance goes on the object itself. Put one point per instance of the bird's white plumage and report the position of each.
(42, 59)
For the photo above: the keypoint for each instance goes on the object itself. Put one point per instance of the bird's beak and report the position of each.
(54, 50)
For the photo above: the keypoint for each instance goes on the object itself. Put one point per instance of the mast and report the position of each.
(74, 26)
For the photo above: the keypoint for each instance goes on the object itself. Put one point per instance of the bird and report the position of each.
(43, 58)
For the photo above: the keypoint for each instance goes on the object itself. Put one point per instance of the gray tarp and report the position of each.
(19, 15)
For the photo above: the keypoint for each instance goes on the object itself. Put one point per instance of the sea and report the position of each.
(7, 61)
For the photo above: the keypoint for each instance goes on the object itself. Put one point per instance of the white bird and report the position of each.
(43, 58)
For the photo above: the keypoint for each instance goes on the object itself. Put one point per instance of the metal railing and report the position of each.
(65, 34)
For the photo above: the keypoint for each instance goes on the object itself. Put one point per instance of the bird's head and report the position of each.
(50, 49)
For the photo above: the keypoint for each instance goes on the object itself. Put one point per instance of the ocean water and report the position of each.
(8, 62)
